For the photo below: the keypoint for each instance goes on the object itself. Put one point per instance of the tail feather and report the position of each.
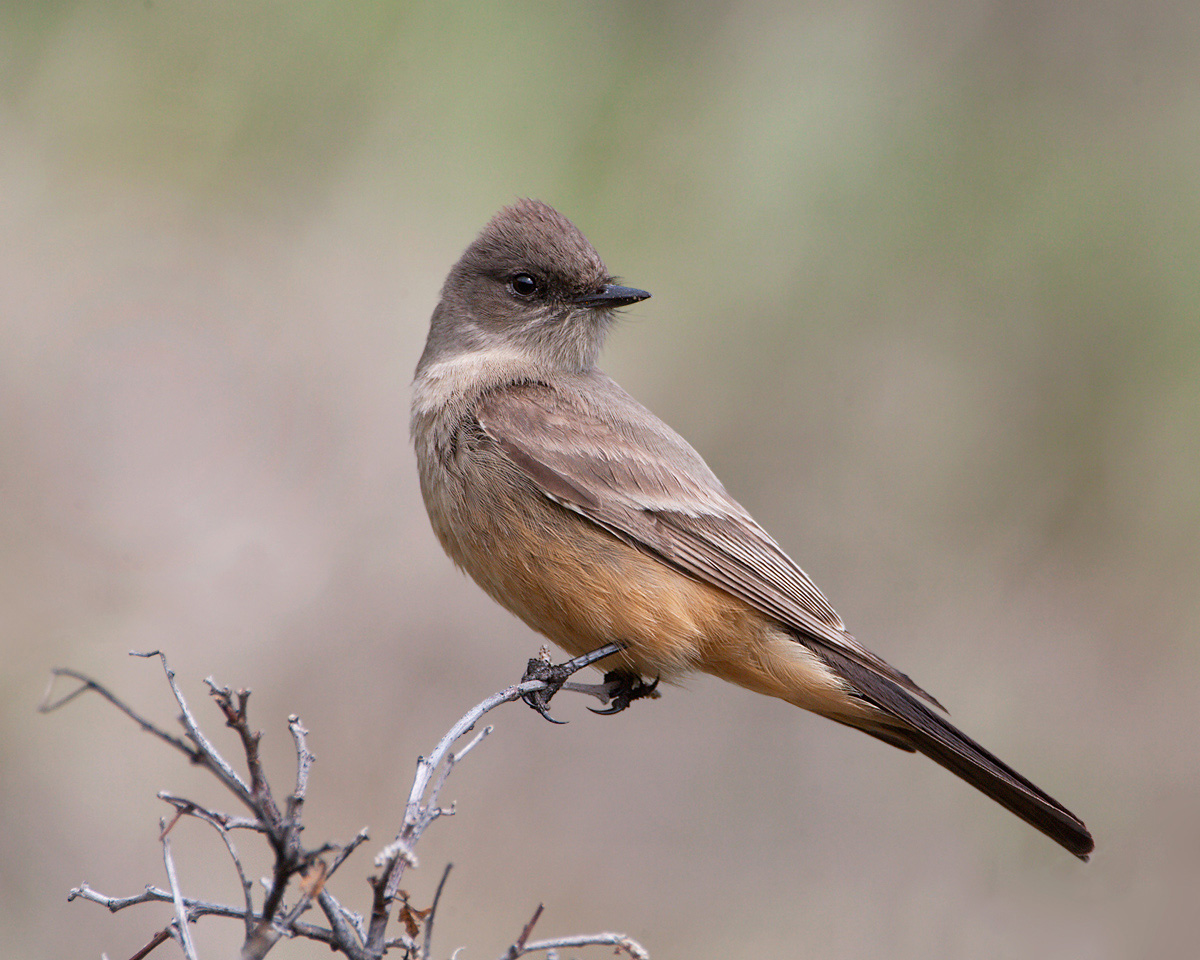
(923, 730)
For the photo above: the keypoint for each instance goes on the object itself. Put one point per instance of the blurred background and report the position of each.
(925, 295)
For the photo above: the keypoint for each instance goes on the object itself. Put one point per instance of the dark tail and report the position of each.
(924, 730)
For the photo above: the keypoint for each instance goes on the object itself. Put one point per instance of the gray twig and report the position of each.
(421, 811)
(195, 909)
(86, 683)
(304, 761)
(207, 753)
(618, 940)
(437, 896)
(222, 824)
(347, 931)
(181, 917)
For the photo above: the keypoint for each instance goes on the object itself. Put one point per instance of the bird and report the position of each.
(593, 521)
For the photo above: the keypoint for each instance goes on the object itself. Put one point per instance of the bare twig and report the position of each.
(223, 821)
(181, 917)
(236, 718)
(437, 896)
(419, 813)
(195, 909)
(361, 837)
(204, 751)
(157, 940)
(304, 760)
(282, 831)
(347, 932)
(347, 927)
(86, 683)
(619, 940)
(519, 946)
(222, 824)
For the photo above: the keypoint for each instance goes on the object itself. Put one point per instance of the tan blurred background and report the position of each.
(926, 295)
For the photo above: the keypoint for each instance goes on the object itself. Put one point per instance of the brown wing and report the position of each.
(596, 451)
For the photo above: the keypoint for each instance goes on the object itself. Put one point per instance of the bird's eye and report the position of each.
(523, 285)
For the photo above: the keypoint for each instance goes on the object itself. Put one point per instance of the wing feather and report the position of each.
(620, 467)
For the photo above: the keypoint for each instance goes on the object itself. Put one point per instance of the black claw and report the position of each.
(624, 689)
(532, 700)
(553, 675)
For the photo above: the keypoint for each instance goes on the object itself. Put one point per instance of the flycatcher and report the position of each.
(594, 522)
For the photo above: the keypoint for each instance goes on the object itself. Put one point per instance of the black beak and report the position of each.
(611, 296)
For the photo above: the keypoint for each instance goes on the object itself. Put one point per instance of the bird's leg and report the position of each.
(554, 676)
(623, 687)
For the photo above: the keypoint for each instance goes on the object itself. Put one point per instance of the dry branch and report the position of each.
(305, 871)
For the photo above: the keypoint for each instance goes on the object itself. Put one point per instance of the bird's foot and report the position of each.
(623, 688)
(553, 675)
